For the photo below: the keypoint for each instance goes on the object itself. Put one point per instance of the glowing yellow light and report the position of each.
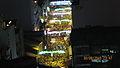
(31, 54)
(36, 48)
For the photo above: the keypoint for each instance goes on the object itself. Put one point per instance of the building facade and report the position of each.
(90, 41)
(95, 47)
(11, 41)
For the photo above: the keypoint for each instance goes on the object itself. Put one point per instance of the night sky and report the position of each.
(93, 12)
(98, 12)
(18, 9)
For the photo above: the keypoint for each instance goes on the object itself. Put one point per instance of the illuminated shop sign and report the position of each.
(60, 3)
(53, 32)
(51, 52)
(57, 51)
(68, 8)
(64, 20)
(61, 13)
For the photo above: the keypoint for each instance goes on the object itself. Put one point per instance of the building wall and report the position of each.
(8, 43)
(20, 43)
(3, 37)
(12, 42)
(3, 43)
(90, 41)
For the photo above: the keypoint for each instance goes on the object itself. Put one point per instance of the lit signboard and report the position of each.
(51, 52)
(61, 13)
(60, 3)
(52, 32)
(68, 8)
(57, 51)
(65, 20)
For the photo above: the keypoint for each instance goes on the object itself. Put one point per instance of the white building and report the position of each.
(9, 41)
